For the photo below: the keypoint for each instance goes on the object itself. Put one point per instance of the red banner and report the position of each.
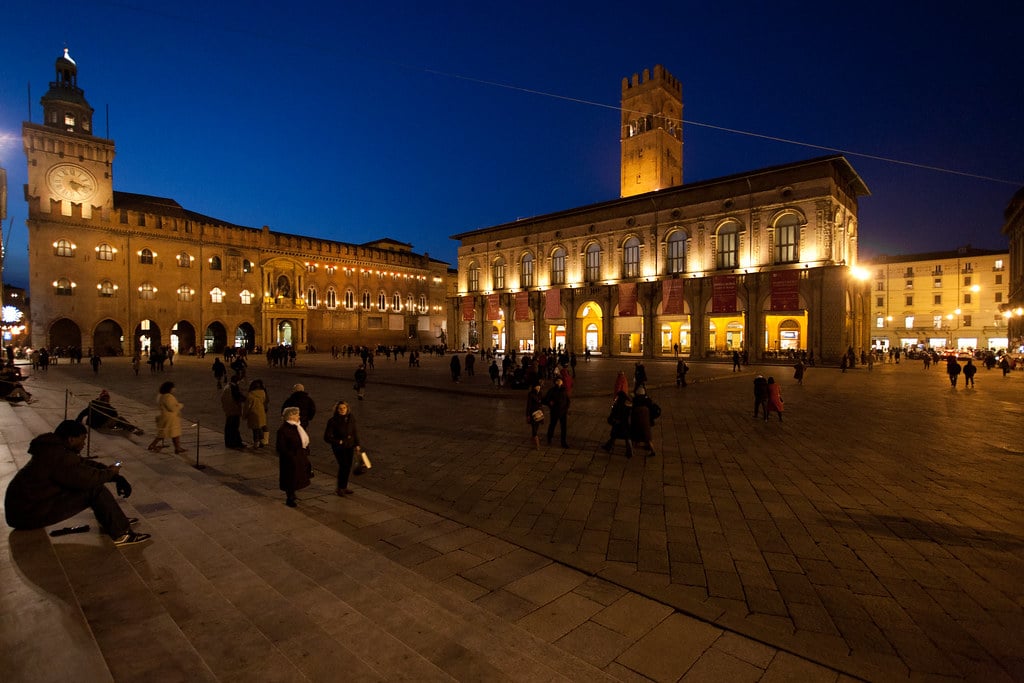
(553, 304)
(785, 290)
(672, 302)
(723, 294)
(493, 307)
(627, 299)
(469, 308)
(522, 306)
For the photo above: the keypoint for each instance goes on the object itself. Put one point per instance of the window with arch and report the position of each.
(423, 303)
(592, 268)
(246, 266)
(473, 278)
(186, 293)
(215, 263)
(217, 295)
(526, 271)
(498, 274)
(409, 303)
(350, 299)
(63, 287)
(104, 252)
(63, 247)
(396, 302)
(631, 258)
(311, 297)
(366, 300)
(331, 298)
(245, 296)
(105, 289)
(184, 260)
(146, 257)
(382, 301)
(728, 245)
(558, 266)
(677, 252)
(147, 292)
(787, 239)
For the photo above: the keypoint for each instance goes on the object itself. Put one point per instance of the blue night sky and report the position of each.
(413, 120)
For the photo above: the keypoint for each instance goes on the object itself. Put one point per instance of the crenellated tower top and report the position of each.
(651, 132)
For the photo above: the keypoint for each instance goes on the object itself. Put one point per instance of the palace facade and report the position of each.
(952, 300)
(1013, 310)
(121, 272)
(762, 262)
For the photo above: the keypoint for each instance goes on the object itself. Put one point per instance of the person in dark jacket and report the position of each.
(456, 367)
(534, 401)
(641, 420)
(231, 401)
(101, 415)
(57, 484)
(292, 448)
(639, 375)
(360, 377)
(969, 371)
(301, 400)
(953, 369)
(343, 437)
(761, 396)
(619, 421)
(557, 400)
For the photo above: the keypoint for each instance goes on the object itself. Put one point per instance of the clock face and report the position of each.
(71, 182)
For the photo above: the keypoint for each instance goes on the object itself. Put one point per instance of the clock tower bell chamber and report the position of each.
(70, 170)
(652, 132)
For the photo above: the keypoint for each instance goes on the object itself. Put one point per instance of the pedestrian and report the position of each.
(681, 369)
(232, 400)
(470, 364)
(254, 410)
(360, 385)
(168, 419)
(798, 372)
(969, 371)
(220, 371)
(343, 438)
(101, 415)
(1004, 365)
(618, 419)
(735, 361)
(136, 363)
(572, 363)
(621, 384)
(760, 396)
(495, 373)
(304, 402)
(953, 369)
(557, 401)
(95, 361)
(294, 468)
(534, 412)
(639, 375)
(641, 420)
(456, 367)
(57, 483)
(775, 402)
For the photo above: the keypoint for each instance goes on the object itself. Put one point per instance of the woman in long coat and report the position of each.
(774, 399)
(293, 455)
(255, 411)
(343, 437)
(618, 418)
(168, 419)
(534, 401)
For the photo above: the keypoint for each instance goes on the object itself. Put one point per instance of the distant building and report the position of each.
(121, 272)
(762, 261)
(1013, 228)
(940, 300)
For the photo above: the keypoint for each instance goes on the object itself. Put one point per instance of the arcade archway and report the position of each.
(245, 336)
(108, 339)
(147, 337)
(65, 333)
(215, 339)
(183, 337)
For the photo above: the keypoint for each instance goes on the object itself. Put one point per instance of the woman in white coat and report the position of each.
(168, 419)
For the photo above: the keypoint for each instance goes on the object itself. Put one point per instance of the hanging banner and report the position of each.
(723, 294)
(553, 304)
(785, 290)
(493, 307)
(469, 308)
(672, 297)
(627, 299)
(522, 306)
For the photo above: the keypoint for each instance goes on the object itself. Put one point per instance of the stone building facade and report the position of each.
(1013, 311)
(949, 300)
(762, 262)
(121, 272)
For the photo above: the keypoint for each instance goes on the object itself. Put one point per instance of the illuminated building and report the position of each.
(763, 261)
(1013, 311)
(121, 272)
(940, 300)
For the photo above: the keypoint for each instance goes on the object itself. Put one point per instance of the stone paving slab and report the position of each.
(876, 530)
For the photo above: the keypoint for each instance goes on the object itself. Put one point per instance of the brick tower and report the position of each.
(652, 132)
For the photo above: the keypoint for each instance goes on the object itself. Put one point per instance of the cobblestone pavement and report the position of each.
(877, 530)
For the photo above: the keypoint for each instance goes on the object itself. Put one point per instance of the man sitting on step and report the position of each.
(102, 416)
(57, 484)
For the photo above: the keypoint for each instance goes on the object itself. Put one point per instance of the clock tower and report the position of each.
(67, 165)
(652, 132)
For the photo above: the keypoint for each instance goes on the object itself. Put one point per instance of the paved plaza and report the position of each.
(875, 533)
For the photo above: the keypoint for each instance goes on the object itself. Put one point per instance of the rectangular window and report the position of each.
(879, 321)
(498, 276)
(937, 270)
(967, 298)
(676, 256)
(910, 301)
(631, 261)
(998, 264)
(909, 285)
(593, 268)
(527, 279)
(910, 272)
(999, 279)
(999, 297)
(908, 322)
(474, 279)
(937, 283)
(786, 244)
(879, 302)
(728, 249)
(938, 299)
(558, 269)
(967, 281)
(879, 286)
(937, 322)
(967, 321)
